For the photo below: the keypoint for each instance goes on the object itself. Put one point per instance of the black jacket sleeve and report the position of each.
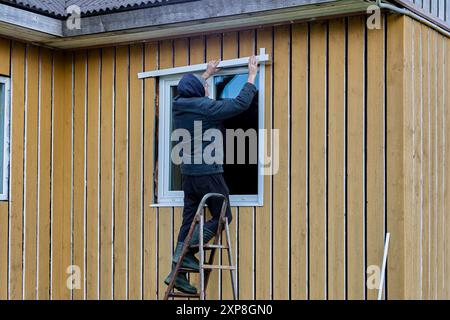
(228, 108)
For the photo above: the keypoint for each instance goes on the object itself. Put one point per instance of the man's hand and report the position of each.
(212, 69)
(252, 69)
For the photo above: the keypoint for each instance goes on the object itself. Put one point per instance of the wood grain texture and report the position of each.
(79, 178)
(246, 254)
(440, 168)
(426, 163)
(395, 170)
(336, 160)
(150, 221)
(45, 164)
(375, 150)
(447, 168)
(106, 171)
(93, 175)
(5, 54)
(355, 168)
(135, 174)
(5, 60)
(31, 172)
(62, 153)
(263, 227)
(299, 206)
(433, 166)
(121, 173)
(17, 166)
(318, 153)
(165, 215)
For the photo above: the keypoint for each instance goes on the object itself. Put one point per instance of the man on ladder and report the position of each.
(190, 107)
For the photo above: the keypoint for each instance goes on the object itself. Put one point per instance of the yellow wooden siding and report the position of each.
(426, 162)
(93, 174)
(363, 142)
(336, 160)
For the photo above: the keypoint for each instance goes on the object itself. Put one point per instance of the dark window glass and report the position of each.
(175, 170)
(242, 179)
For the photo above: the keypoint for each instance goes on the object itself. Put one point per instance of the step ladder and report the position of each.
(205, 268)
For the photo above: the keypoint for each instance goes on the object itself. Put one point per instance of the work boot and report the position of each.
(181, 283)
(189, 261)
(195, 240)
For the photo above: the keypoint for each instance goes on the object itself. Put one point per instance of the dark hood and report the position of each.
(190, 87)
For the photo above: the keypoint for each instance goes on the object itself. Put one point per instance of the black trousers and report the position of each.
(195, 188)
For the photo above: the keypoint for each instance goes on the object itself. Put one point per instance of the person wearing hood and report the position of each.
(192, 105)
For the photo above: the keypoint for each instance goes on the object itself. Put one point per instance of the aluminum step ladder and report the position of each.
(205, 268)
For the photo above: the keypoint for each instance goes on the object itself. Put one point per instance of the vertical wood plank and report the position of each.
(246, 254)
(135, 173)
(412, 219)
(281, 179)
(263, 214)
(375, 150)
(5, 54)
(5, 59)
(440, 167)
(336, 161)
(93, 175)
(62, 166)
(121, 174)
(45, 163)
(230, 51)
(16, 176)
(355, 169)
(433, 167)
(79, 123)
(31, 172)
(150, 242)
(317, 217)
(299, 206)
(106, 171)
(165, 229)
(395, 186)
(426, 163)
(447, 167)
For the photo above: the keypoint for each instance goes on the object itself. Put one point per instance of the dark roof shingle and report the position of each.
(88, 7)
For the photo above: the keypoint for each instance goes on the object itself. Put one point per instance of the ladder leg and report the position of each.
(183, 254)
(230, 258)
(202, 259)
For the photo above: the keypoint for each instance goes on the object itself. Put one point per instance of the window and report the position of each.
(244, 179)
(4, 137)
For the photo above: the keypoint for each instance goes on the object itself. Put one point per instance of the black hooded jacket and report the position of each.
(192, 106)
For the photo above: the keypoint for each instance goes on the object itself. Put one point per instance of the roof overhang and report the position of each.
(182, 19)
(27, 25)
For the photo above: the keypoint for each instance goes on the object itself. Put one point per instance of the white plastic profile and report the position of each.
(233, 63)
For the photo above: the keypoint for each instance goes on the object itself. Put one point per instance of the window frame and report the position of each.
(6, 146)
(165, 197)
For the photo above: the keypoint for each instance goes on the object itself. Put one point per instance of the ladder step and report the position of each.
(186, 270)
(184, 295)
(210, 247)
(207, 266)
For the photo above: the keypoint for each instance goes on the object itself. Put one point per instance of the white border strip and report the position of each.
(262, 58)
